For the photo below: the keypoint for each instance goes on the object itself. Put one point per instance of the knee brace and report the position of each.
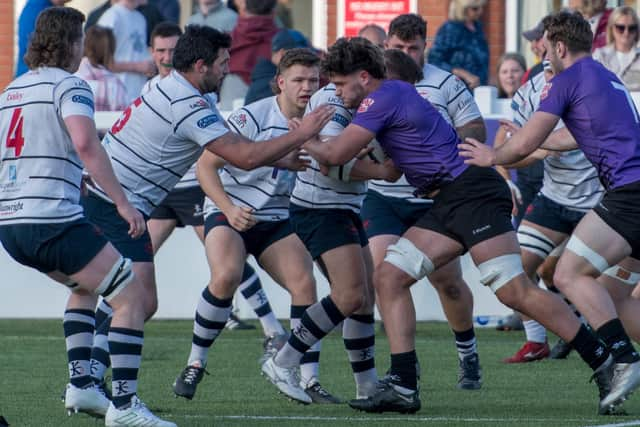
(116, 279)
(623, 275)
(496, 272)
(535, 241)
(408, 258)
(579, 248)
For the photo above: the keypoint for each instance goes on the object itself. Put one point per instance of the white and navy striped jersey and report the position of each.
(40, 171)
(453, 100)
(264, 189)
(314, 190)
(569, 178)
(189, 179)
(158, 137)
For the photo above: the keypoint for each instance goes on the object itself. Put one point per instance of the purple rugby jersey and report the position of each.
(600, 114)
(413, 133)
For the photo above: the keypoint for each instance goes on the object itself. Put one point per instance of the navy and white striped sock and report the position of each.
(251, 289)
(466, 343)
(358, 334)
(78, 325)
(310, 362)
(125, 346)
(317, 321)
(100, 360)
(211, 316)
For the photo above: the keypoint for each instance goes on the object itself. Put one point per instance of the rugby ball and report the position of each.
(377, 154)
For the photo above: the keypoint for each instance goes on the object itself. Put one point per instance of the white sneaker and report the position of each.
(87, 400)
(135, 415)
(286, 379)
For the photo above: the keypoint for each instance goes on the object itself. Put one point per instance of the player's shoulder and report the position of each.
(325, 95)
(259, 115)
(437, 78)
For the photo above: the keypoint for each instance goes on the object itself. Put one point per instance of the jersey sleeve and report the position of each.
(518, 107)
(341, 117)
(461, 106)
(554, 96)
(198, 121)
(373, 113)
(73, 97)
(242, 122)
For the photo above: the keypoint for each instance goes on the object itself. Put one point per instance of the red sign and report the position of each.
(358, 13)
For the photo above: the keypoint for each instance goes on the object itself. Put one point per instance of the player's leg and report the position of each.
(226, 255)
(592, 248)
(287, 261)
(160, 230)
(620, 281)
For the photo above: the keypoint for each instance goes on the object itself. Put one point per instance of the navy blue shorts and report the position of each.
(389, 215)
(104, 215)
(546, 213)
(184, 205)
(65, 247)
(620, 209)
(256, 239)
(473, 208)
(324, 229)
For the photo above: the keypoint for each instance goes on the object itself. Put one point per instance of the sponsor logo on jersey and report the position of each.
(365, 104)
(207, 121)
(11, 208)
(341, 120)
(82, 100)
(13, 173)
(239, 119)
(545, 91)
(200, 103)
(14, 96)
(335, 100)
(423, 93)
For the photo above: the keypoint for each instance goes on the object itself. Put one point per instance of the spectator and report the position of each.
(26, 25)
(108, 91)
(132, 59)
(597, 13)
(534, 37)
(374, 33)
(215, 14)
(266, 69)
(150, 12)
(164, 38)
(251, 40)
(621, 54)
(460, 46)
(511, 68)
(283, 14)
(170, 10)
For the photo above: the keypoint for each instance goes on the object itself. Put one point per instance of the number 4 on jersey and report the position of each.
(14, 138)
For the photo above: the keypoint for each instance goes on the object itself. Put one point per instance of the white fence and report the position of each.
(182, 271)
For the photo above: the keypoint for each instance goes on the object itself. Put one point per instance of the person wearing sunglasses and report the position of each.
(621, 55)
(460, 46)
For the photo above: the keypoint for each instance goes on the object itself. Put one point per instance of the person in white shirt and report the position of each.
(42, 223)
(132, 60)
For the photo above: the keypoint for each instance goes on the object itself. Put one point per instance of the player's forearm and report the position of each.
(365, 169)
(97, 163)
(208, 176)
(560, 140)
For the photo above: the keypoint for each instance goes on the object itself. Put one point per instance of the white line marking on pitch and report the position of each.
(378, 419)
(625, 424)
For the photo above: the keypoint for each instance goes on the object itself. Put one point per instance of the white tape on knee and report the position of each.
(535, 241)
(408, 258)
(498, 271)
(623, 275)
(579, 248)
(116, 279)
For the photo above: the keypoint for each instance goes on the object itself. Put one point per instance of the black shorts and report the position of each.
(389, 215)
(65, 247)
(256, 239)
(475, 207)
(104, 215)
(324, 229)
(184, 205)
(620, 209)
(552, 215)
